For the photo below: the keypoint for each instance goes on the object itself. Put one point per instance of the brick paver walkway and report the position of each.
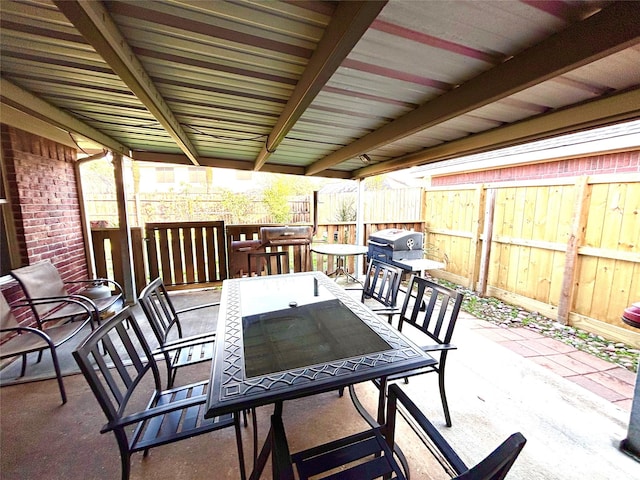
(603, 378)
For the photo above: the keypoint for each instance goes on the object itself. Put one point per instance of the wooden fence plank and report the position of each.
(189, 263)
(176, 255)
(199, 241)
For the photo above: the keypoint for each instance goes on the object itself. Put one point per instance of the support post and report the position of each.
(126, 252)
(359, 226)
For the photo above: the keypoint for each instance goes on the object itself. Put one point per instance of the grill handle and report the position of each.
(377, 244)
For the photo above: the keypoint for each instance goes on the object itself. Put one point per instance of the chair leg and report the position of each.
(172, 377)
(443, 396)
(236, 424)
(255, 435)
(125, 454)
(126, 466)
(56, 367)
(23, 369)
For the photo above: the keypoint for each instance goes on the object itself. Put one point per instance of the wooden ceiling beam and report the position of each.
(613, 109)
(28, 103)
(613, 29)
(350, 21)
(98, 28)
(179, 159)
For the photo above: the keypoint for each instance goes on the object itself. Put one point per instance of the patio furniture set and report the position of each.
(279, 337)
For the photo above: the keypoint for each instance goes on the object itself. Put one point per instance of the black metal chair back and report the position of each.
(178, 350)
(369, 454)
(274, 262)
(432, 309)
(127, 373)
(159, 309)
(382, 283)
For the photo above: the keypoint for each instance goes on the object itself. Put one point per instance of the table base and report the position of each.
(341, 270)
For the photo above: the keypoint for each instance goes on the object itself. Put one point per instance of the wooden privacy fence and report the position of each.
(567, 248)
(399, 205)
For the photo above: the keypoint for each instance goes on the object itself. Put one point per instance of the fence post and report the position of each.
(576, 238)
(477, 225)
(489, 210)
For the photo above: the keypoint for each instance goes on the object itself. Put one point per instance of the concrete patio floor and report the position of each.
(498, 382)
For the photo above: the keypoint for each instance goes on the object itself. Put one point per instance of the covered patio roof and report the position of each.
(337, 89)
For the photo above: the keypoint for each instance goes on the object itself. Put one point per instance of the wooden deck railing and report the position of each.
(197, 253)
(187, 253)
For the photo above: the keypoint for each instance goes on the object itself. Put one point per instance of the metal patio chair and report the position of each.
(369, 454)
(381, 284)
(178, 351)
(42, 286)
(269, 263)
(433, 310)
(20, 340)
(123, 373)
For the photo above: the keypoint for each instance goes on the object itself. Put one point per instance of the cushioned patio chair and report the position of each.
(178, 351)
(433, 310)
(42, 281)
(128, 370)
(19, 340)
(369, 454)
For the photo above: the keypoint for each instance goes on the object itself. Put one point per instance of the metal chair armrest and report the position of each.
(198, 307)
(415, 416)
(155, 411)
(438, 347)
(94, 280)
(84, 302)
(36, 331)
(186, 342)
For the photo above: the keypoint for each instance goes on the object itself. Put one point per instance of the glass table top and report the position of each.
(286, 336)
(300, 336)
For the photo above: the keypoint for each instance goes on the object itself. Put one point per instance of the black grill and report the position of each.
(395, 244)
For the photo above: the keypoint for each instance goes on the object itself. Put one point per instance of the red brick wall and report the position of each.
(44, 197)
(596, 165)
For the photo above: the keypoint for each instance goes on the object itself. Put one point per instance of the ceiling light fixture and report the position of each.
(364, 158)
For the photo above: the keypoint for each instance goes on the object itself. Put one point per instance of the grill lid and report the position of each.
(301, 235)
(397, 239)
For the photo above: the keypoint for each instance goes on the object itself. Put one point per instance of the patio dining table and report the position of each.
(283, 337)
